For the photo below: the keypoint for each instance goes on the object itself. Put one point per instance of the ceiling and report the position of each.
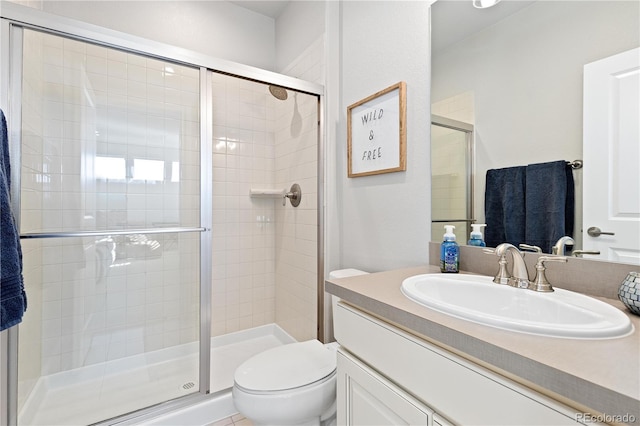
(454, 20)
(270, 8)
(451, 20)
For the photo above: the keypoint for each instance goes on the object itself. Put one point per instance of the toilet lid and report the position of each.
(286, 367)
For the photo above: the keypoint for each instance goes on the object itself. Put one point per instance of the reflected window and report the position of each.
(175, 171)
(110, 168)
(148, 170)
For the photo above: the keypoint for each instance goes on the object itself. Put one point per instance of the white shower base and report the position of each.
(95, 393)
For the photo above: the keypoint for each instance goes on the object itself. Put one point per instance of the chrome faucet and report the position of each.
(559, 247)
(520, 277)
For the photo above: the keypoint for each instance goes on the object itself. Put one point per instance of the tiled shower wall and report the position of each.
(243, 227)
(264, 253)
(297, 228)
(110, 141)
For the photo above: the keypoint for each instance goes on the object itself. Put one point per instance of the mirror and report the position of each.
(514, 72)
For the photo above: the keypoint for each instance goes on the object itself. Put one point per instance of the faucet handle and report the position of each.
(540, 282)
(529, 247)
(579, 253)
(502, 277)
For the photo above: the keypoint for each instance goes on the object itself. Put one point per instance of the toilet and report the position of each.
(293, 384)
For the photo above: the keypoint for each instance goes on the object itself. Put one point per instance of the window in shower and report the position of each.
(110, 201)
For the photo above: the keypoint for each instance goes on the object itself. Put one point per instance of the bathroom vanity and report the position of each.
(401, 362)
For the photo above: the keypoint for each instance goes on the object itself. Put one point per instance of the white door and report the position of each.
(611, 144)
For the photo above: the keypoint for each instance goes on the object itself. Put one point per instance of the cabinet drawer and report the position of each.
(459, 390)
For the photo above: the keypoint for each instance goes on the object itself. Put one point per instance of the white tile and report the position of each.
(51, 364)
(69, 325)
(96, 355)
(52, 328)
(116, 351)
(51, 310)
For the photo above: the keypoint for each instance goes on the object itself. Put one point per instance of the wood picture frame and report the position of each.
(377, 133)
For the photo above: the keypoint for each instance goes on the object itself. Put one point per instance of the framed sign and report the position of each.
(377, 133)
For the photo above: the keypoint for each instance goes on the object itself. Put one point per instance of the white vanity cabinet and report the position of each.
(388, 376)
(439, 421)
(367, 398)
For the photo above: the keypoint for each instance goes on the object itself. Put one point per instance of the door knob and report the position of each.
(594, 231)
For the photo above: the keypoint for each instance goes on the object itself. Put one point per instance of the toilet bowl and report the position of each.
(293, 384)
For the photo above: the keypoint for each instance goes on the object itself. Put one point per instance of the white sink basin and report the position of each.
(476, 298)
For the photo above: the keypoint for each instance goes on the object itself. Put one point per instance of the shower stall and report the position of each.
(452, 177)
(159, 249)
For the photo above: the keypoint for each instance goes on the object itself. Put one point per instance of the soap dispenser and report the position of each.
(476, 235)
(449, 251)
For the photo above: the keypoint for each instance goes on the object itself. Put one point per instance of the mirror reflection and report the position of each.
(514, 72)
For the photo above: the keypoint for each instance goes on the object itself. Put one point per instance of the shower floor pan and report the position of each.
(95, 393)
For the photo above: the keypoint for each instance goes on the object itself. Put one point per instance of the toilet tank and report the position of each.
(342, 273)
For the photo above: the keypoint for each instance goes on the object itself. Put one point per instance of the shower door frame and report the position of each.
(13, 19)
(470, 152)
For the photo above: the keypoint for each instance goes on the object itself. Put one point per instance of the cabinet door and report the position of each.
(440, 421)
(464, 392)
(367, 398)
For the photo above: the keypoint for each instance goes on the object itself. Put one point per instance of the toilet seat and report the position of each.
(286, 367)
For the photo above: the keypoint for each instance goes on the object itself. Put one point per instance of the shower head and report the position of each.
(278, 92)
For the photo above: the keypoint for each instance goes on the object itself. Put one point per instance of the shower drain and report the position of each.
(188, 385)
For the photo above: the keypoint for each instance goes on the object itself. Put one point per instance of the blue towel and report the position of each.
(549, 203)
(13, 300)
(504, 206)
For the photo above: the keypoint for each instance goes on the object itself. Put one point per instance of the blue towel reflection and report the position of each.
(505, 206)
(549, 203)
(531, 204)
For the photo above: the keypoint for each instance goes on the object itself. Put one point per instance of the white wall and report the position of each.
(385, 219)
(526, 76)
(299, 26)
(216, 28)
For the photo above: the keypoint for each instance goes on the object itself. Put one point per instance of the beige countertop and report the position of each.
(597, 376)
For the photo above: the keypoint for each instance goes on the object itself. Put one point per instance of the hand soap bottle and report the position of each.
(476, 235)
(449, 251)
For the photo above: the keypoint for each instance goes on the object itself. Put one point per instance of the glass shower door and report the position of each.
(110, 224)
(451, 177)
